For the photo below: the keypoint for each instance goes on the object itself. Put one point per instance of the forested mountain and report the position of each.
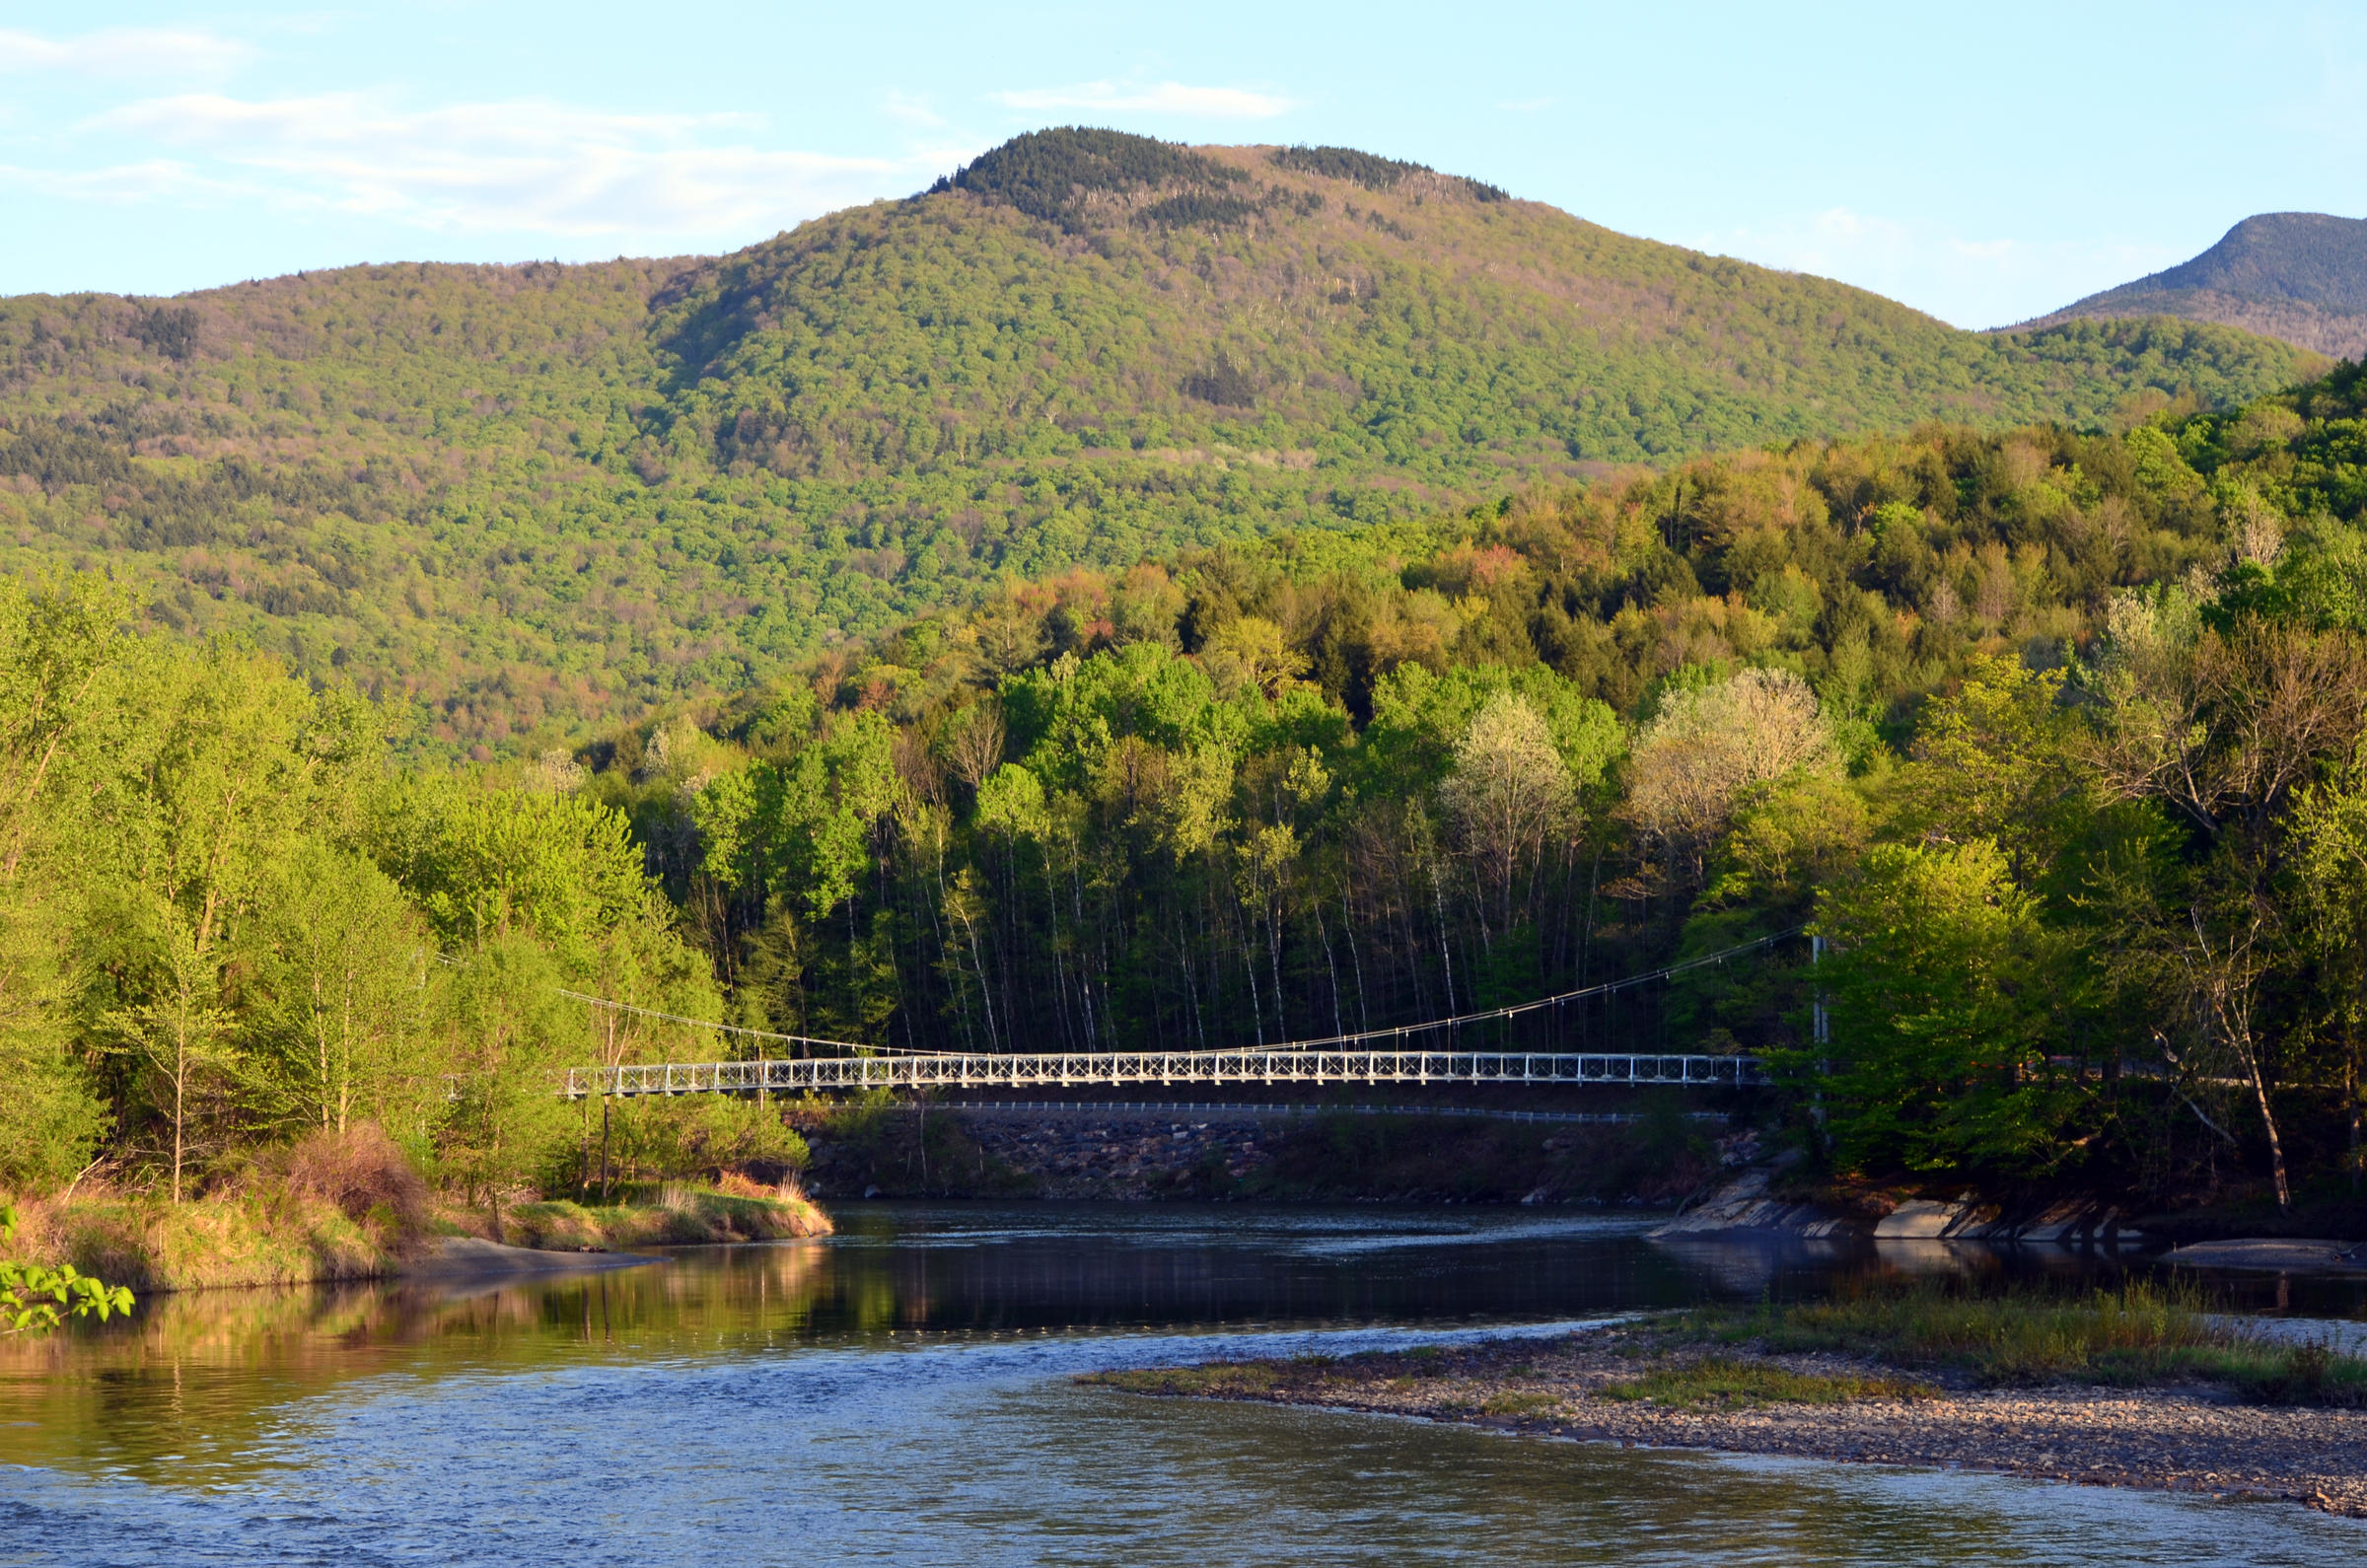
(2056, 736)
(531, 498)
(2299, 276)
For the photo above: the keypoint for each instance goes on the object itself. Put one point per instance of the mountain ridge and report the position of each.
(535, 498)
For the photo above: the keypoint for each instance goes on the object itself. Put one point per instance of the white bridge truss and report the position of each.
(1250, 1066)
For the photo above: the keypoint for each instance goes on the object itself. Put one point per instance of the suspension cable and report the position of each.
(1327, 1042)
(753, 1033)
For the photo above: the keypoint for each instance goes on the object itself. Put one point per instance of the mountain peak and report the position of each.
(1081, 178)
(2310, 256)
(2301, 276)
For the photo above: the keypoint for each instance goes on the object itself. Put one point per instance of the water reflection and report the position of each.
(901, 1392)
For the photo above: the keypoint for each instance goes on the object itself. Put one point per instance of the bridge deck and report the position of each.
(950, 1071)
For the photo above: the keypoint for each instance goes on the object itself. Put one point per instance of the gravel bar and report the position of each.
(2176, 1439)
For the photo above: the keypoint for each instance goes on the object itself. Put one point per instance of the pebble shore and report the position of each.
(2184, 1439)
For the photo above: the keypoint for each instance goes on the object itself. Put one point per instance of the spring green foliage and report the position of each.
(2019, 722)
(225, 923)
(35, 1298)
(516, 501)
(2051, 729)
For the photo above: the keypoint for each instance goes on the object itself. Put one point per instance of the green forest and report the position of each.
(227, 923)
(513, 505)
(2052, 732)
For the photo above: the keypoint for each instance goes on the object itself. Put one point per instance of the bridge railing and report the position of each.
(1250, 1066)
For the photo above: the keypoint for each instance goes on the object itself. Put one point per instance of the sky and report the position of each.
(1984, 163)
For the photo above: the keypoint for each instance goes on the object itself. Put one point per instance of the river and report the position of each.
(903, 1393)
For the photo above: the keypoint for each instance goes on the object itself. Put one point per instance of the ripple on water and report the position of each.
(903, 1395)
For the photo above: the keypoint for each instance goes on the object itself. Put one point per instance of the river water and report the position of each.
(903, 1393)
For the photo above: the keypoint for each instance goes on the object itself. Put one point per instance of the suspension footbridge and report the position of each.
(1068, 1070)
(1369, 1056)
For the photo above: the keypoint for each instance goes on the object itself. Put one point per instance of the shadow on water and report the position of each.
(780, 1384)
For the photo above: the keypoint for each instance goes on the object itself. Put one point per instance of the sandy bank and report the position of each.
(2179, 1439)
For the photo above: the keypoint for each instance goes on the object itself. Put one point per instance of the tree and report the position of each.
(2228, 725)
(1510, 794)
(171, 1022)
(508, 1033)
(338, 991)
(207, 768)
(2329, 864)
(1706, 745)
(486, 864)
(1997, 758)
(1945, 994)
(56, 646)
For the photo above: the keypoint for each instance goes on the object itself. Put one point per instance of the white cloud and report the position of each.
(1165, 98)
(1971, 282)
(911, 109)
(149, 180)
(521, 165)
(125, 52)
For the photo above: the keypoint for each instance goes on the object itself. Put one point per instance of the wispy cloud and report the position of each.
(1164, 98)
(518, 164)
(912, 109)
(1969, 281)
(151, 52)
(148, 180)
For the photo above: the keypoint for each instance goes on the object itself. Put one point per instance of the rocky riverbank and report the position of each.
(1630, 1386)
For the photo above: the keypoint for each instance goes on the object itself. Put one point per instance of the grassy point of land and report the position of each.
(2140, 1335)
(2135, 1386)
(678, 1214)
(288, 1237)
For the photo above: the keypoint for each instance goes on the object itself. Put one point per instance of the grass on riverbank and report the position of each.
(1725, 1382)
(342, 1207)
(241, 1238)
(2138, 1335)
(682, 1214)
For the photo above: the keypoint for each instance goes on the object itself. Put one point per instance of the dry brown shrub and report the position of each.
(361, 1170)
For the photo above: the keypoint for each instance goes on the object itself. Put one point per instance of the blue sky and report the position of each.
(1984, 163)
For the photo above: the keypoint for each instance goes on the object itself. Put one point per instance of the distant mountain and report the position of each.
(537, 497)
(2298, 276)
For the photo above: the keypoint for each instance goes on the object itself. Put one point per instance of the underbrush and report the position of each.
(349, 1206)
(2138, 1335)
(241, 1238)
(330, 1206)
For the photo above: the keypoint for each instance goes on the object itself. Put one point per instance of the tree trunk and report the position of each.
(2277, 1146)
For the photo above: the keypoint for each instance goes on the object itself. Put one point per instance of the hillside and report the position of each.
(2298, 276)
(2028, 721)
(535, 497)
